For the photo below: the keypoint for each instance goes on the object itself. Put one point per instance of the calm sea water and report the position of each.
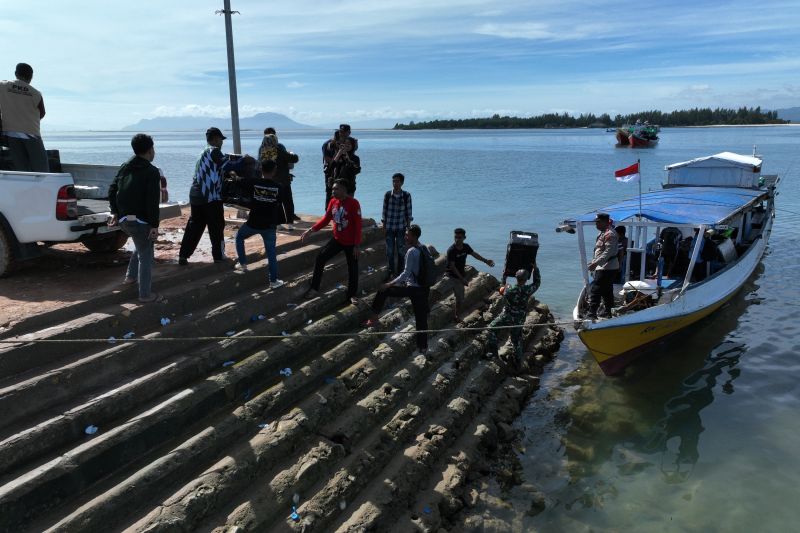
(703, 436)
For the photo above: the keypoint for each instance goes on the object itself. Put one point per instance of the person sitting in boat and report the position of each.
(605, 266)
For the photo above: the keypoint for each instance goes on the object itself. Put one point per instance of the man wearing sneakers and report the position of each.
(266, 212)
(396, 218)
(345, 212)
(408, 284)
(134, 196)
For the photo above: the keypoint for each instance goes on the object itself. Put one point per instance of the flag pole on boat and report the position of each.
(639, 168)
(237, 142)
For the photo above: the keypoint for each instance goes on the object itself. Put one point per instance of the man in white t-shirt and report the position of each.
(21, 109)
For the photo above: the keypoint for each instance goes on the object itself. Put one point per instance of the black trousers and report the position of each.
(328, 189)
(329, 251)
(419, 302)
(212, 215)
(287, 200)
(288, 203)
(602, 289)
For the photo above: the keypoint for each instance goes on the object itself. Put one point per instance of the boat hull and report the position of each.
(622, 138)
(616, 342)
(641, 142)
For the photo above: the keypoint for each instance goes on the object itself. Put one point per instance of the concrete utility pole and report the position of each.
(237, 142)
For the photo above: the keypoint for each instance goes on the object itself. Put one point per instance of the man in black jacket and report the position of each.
(285, 162)
(266, 212)
(134, 196)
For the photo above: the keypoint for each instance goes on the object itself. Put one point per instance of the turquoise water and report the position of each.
(704, 435)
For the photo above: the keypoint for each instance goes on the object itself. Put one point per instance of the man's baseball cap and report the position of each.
(214, 132)
(602, 216)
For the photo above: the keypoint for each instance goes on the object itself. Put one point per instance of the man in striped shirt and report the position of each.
(395, 219)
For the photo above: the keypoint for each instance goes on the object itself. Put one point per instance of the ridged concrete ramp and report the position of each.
(214, 435)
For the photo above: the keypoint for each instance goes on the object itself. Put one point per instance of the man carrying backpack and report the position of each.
(415, 282)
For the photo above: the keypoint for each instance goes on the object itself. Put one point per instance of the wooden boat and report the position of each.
(638, 135)
(670, 279)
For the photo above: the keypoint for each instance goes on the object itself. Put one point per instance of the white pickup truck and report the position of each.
(70, 205)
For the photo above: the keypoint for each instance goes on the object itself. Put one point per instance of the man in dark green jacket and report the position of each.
(134, 196)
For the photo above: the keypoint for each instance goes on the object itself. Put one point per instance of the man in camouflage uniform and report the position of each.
(515, 310)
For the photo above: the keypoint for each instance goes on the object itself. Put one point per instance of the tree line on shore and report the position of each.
(684, 117)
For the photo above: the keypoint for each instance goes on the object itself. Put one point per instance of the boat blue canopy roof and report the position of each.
(679, 205)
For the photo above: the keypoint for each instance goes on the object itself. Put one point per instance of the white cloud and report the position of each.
(194, 110)
(517, 30)
(295, 85)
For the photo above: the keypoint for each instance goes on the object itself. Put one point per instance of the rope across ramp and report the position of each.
(234, 337)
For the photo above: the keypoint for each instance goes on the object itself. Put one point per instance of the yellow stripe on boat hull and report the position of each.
(613, 347)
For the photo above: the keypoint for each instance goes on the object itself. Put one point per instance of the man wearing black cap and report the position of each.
(605, 266)
(21, 109)
(205, 197)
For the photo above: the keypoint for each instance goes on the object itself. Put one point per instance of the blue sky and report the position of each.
(107, 64)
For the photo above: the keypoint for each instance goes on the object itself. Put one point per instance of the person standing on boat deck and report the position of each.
(345, 212)
(266, 212)
(457, 262)
(205, 197)
(21, 110)
(285, 161)
(133, 197)
(513, 314)
(408, 284)
(622, 251)
(605, 265)
(396, 218)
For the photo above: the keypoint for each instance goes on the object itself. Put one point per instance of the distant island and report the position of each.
(256, 122)
(688, 117)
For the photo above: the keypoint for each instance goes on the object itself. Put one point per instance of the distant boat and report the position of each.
(638, 135)
(671, 278)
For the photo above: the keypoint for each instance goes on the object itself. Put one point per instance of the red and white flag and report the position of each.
(628, 174)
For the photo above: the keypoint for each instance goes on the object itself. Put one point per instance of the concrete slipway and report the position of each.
(210, 433)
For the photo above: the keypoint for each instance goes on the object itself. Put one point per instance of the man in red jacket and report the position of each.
(345, 212)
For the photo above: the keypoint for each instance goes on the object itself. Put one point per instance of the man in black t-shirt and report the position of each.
(456, 262)
(266, 213)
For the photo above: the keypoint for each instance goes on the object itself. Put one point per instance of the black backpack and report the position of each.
(428, 271)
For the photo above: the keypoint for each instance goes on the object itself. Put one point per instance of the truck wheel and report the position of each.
(5, 253)
(106, 243)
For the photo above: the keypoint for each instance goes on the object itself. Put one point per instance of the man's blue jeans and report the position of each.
(395, 243)
(269, 237)
(140, 267)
